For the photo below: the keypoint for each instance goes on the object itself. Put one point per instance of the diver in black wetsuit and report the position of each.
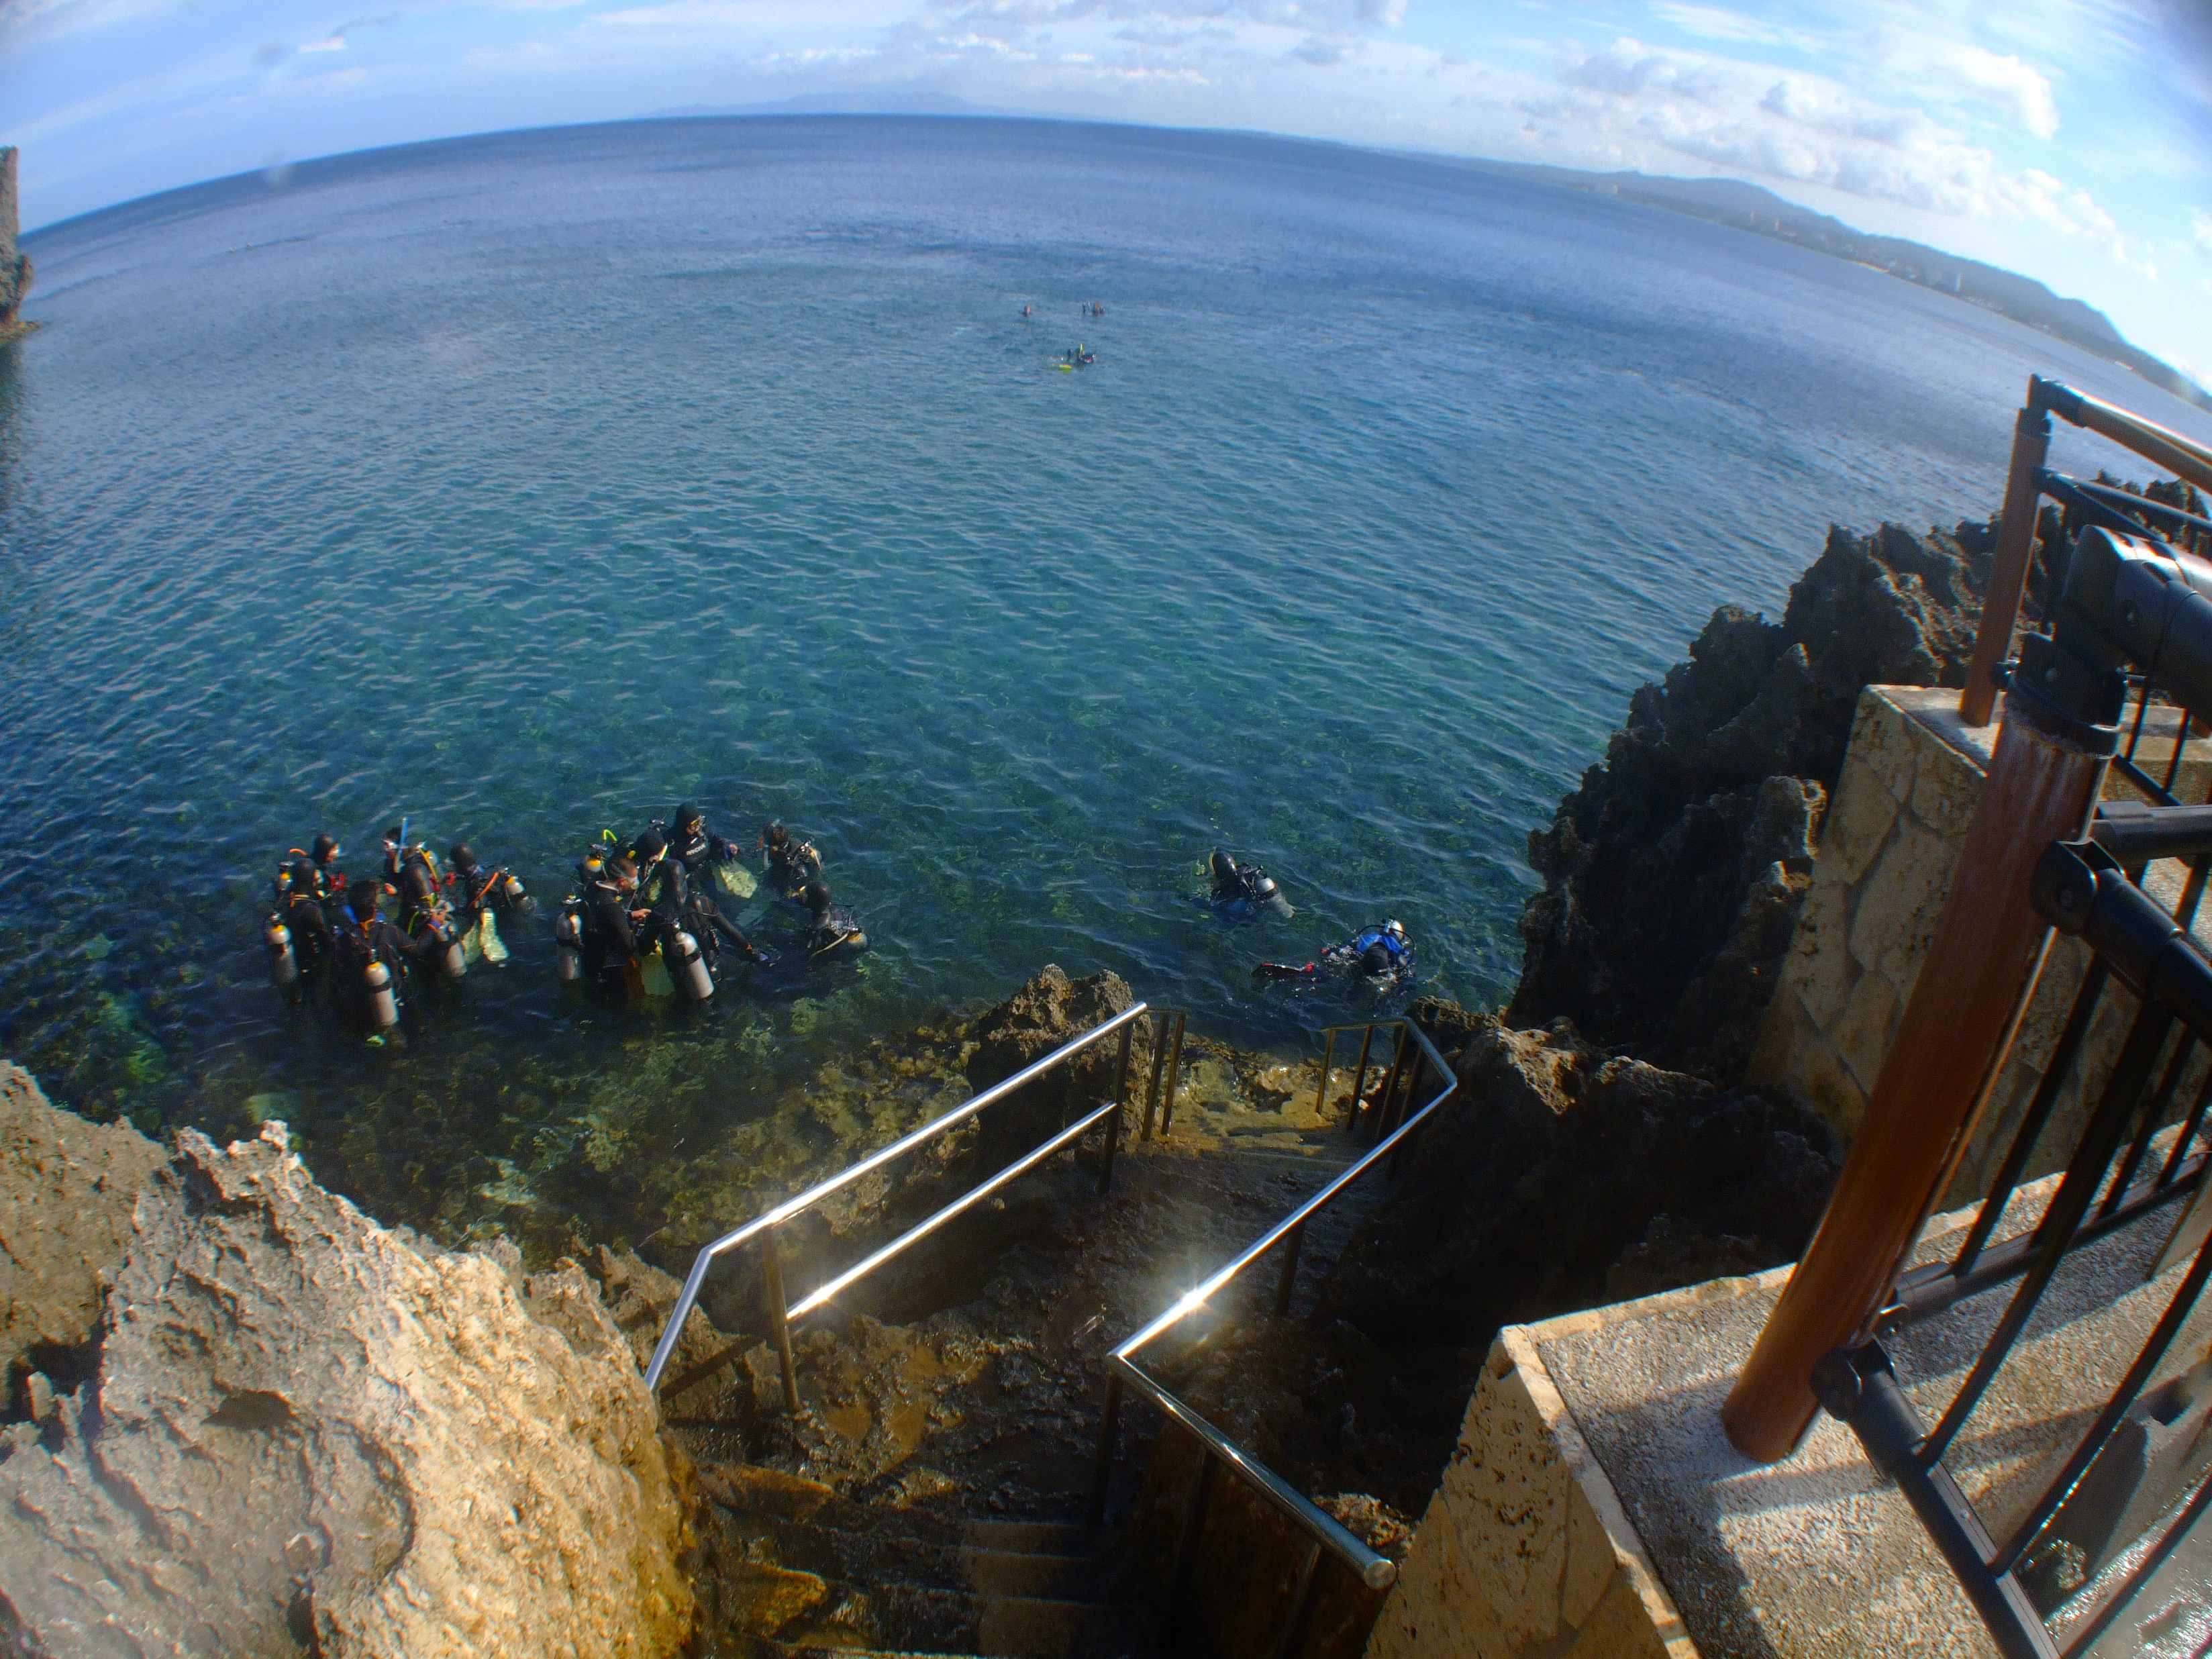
(1379, 953)
(675, 902)
(304, 909)
(608, 888)
(476, 891)
(834, 931)
(366, 938)
(790, 863)
(1243, 890)
(693, 845)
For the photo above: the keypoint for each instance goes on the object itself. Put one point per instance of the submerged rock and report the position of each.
(1671, 877)
(312, 1434)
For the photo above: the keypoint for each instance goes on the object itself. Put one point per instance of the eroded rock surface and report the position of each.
(311, 1433)
(1048, 1011)
(1561, 1177)
(1671, 877)
(67, 1192)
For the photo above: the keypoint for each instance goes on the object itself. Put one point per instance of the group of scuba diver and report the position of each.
(642, 923)
(1379, 953)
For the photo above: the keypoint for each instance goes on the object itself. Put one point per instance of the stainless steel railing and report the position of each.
(763, 1227)
(1395, 1123)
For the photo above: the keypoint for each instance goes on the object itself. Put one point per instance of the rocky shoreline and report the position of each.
(243, 1416)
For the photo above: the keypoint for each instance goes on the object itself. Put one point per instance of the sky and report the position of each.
(2070, 140)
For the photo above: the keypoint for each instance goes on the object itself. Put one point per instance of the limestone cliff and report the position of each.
(303, 1432)
(15, 266)
(1673, 875)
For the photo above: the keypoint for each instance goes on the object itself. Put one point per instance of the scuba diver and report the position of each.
(790, 863)
(1241, 891)
(693, 844)
(606, 913)
(371, 959)
(479, 897)
(477, 891)
(833, 931)
(1380, 953)
(411, 872)
(681, 919)
(298, 934)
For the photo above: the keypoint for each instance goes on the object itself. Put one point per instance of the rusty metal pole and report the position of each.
(1159, 1059)
(778, 1318)
(2043, 783)
(2030, 445)
(1114, 1123)
(1328, 1052)
(1358, 1082)
(1175, 1075)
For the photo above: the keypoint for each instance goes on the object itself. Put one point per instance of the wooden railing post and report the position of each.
(2031, 446)
(2043, 783)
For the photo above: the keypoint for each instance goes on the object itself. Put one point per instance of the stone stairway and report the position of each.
(804, 1572)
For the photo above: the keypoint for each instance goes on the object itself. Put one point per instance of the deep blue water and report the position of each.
(525, 484)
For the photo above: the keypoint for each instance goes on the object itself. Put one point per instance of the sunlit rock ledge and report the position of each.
(285, 1429)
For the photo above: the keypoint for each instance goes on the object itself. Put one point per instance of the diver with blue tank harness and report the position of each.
(1379, 953)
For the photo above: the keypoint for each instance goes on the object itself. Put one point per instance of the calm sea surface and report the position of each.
(524, 485)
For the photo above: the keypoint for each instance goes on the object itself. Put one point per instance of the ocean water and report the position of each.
(523, 485)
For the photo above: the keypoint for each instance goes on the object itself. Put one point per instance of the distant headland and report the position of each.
(1748, 207)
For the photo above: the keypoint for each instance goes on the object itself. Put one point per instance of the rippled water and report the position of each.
(525, 485)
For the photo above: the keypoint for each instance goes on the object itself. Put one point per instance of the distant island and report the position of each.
(1748, 207)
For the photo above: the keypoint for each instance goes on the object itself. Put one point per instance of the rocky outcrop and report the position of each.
(309, 1433)
(14, 267)
(1558, 1177)
(68, 1189)
(1673, 875)
(1048, 1011)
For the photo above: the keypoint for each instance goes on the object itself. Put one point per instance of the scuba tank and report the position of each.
(517, 895)
(1269, 896)
(568, 943)
(456, 960)
(383, 1007)
(284, 966)
(681, 958)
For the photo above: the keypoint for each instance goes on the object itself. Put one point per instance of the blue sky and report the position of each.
(2068, 139)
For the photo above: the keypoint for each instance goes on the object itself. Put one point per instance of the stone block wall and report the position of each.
(1908, 790)
(1524, 1549)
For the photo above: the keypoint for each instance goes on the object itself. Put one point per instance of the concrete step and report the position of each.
(1023, 1574)
(1036, 1537)
(882, 1555)
(1036, 1627)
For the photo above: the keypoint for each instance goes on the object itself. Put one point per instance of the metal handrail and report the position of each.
(2026, 482)
(1376, 1570)
(780, 1315)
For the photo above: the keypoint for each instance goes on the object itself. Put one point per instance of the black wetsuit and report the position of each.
(609, 942)
(792, 865)
(357, 945)
(834, 931)
(312, 937)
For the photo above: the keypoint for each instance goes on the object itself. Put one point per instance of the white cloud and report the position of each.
(2203, 224)
(1954, 71)
(1804, 128)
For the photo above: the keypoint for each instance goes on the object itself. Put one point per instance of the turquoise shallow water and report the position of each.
(525, 485)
